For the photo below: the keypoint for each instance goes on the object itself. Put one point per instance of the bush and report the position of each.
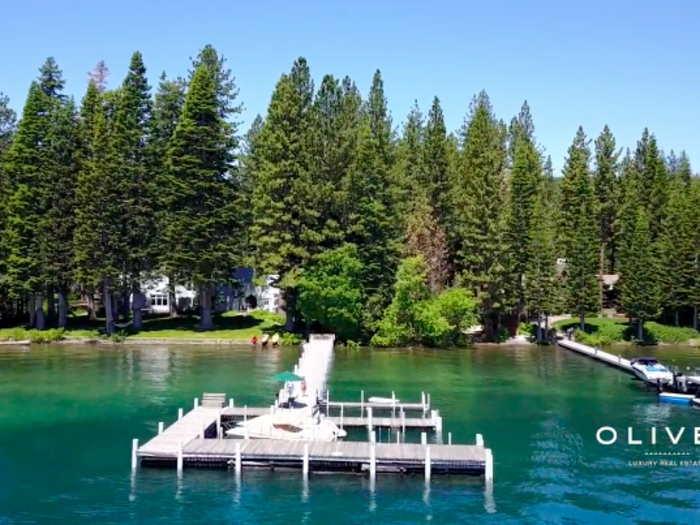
(416, 317)
(601, 332)
(655, 332)
(528, 329)
(34, 336)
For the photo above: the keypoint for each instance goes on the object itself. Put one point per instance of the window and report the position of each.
(159, 300)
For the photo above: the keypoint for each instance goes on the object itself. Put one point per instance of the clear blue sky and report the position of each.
(628, 64)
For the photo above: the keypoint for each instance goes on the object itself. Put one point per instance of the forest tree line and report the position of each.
(100, 196)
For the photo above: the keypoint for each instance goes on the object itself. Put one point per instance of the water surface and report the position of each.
(68, 415)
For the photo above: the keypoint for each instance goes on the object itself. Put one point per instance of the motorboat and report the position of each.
(294, 425)
(651, 371)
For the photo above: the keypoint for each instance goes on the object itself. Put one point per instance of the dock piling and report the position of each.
(438, 422)
(134, 456)
(362, 401)
(369, 419)
(372, 436)
(398, 437)
(488, 474)
(429, 405)
(238, 457)
(160, 428)
(422, 400)
(427, 463)
(230, 402)
(196, 402)
(306, 460)
(180, 459)
(479, 440)
(403, 421)
(423, 438)
(449, 438)
(372, 461)
(180, 413)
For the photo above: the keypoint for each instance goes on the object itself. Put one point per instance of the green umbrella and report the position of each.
(288, 376)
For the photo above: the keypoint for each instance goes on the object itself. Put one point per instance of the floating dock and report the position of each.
(605, 357)
(197, 439)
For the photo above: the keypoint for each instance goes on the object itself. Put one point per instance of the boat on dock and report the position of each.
(651, 371)
(295, 425)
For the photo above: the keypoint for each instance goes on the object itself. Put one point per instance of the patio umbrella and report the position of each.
(288, 376)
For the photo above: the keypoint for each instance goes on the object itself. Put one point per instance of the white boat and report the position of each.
(296, 425)
(383, 400)
(651, 371)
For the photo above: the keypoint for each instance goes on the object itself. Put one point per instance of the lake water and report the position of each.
(68, 415)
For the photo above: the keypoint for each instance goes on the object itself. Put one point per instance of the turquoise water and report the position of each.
(68, 415)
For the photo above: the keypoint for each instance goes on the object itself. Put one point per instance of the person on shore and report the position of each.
(254, 340)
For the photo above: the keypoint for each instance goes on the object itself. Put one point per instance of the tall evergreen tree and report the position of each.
(8, 125)
(410, 184)
(203, 189)
(226, 89)
(480, 195)
(97, 242)
(285, 232)
(62, 143)
(604, 186)
(25, 197)
(131, 126)
(540, 273)
(578, 229)
(437, 164)
(525, 183)
(641, 295)
(373, 223)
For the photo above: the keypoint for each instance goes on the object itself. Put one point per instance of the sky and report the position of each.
(629, 64)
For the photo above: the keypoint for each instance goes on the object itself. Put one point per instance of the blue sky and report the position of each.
(628, 64)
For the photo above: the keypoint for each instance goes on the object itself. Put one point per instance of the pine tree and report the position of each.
(51, 80)
(62, 143)
(24, 171)
(425, 237)
(333, 147)
(540, 274)
(578, 229)
(604, 186)
(167, 108)
(99, 75)
(226, 89)
(286, 231)
(437, 164)
(678, 242)
(525, 182)
(97, 242)
(8, 125)
(411, 185)
(131, 127)
(480, 195)
(641, 295)
(202, 188)
(373, 223)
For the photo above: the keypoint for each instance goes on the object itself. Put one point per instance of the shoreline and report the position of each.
(153, 341)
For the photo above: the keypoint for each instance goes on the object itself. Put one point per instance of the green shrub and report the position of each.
(655, 332)
(118, 337)
(528, 329)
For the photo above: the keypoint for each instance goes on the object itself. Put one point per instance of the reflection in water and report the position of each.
(155, 367)
(372, 494)
(426, 500)
(132, 492)
(489, 503)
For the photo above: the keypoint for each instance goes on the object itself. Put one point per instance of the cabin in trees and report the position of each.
(240, 294)
(609, 282)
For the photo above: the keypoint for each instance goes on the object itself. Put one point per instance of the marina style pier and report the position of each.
(197, 439)
(597, 354)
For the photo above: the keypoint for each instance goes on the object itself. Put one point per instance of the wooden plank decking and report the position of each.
(610, 359)
(384, 422)
(182, 431)
(337, 455)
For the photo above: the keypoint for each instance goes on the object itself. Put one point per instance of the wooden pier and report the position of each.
(396, 420)
(597, 354)
(197, 439)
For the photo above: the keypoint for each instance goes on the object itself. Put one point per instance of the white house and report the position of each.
(228, 297)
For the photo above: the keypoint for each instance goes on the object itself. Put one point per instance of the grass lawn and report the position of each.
(602, 331)
(230, 326)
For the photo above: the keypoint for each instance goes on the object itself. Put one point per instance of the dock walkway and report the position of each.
(192, 425)
(336, 456)
(610, 359)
